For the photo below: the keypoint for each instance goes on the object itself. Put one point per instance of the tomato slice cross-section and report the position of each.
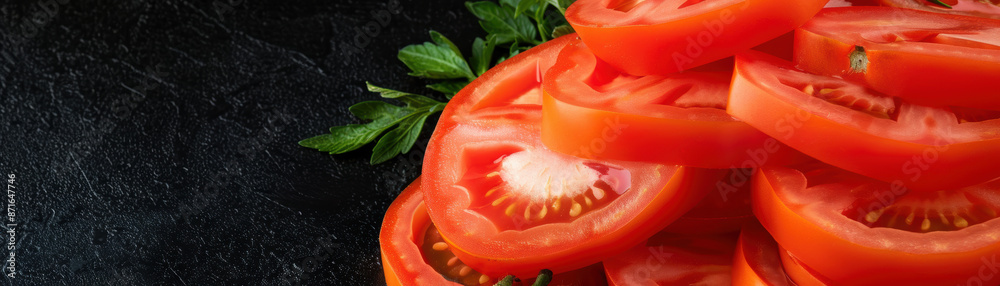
(591, 110)
(977, 8)
(923, 57)
(667, 36)
(674, 259)
(509, 205)
(758, 260)
(854, 230)
(413, 252)
(724, 210)
(863, 131)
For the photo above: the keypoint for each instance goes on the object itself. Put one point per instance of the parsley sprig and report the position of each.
(511, 25)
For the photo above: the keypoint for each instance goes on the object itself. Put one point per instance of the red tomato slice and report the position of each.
(510, 91)
(666, 36)
(799, 273)
(854, 128)
(925, 58)
(977, 8)
(593, 111)
(848, 3)
(756, 260)
(508, 205)
(674, 259)
(413, 252)
(854, 230)
(722, 211)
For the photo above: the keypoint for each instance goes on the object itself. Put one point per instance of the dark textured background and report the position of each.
(154, 142)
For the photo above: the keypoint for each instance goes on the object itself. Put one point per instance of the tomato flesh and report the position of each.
(722, 211)
(923, 57)
(666, 36)
(756, 260)
(977, 8)
(799, 273)
(855, 230)
(855, 128)
(593, 111)
(560, 213)
(674, 259)
(414, 253)
(508, 205)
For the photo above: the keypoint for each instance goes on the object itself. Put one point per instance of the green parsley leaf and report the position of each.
(435, 61)
(500, 21)
(449, 88)
(381, 116)
(399, 140)
(482, 54)
(562, 31)
(561, 5)
(441, 40)
(411, 100)
(342, 139)
(515, 25)
(525, 6)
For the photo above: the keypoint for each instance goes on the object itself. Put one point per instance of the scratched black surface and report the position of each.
(153, 142)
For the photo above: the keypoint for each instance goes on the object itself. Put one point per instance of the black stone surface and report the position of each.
(154, 142)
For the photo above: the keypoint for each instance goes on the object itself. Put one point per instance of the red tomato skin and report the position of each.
(501, 107)
(929, 74)
(681, 44)
(674, 259)
(975, 8)
(927, 165)
(843, 252)
(592, 122)
(756, 261)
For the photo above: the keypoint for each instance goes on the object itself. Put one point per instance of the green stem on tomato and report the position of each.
(544, 277)
(507, 281)
(940, 3)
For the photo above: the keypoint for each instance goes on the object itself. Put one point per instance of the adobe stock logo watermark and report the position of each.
(914, 168)
(613, 127)
(986, 273)
(653, 263)
(741, 174)
(696, 44)
(44, 12)
(364, 35)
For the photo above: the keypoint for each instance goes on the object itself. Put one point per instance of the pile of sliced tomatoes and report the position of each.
(718, 142)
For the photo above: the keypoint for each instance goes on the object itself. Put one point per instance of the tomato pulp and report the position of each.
(667, 36)
(976, 8)
(413, 252)
(508, 205)
(855, 230)
(674, 259)
(855, 128)
(922, 57)
(593, 111)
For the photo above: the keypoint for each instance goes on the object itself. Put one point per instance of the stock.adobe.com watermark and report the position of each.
(363, 35)
(986, 274)
(40, 14)
(696, 44)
